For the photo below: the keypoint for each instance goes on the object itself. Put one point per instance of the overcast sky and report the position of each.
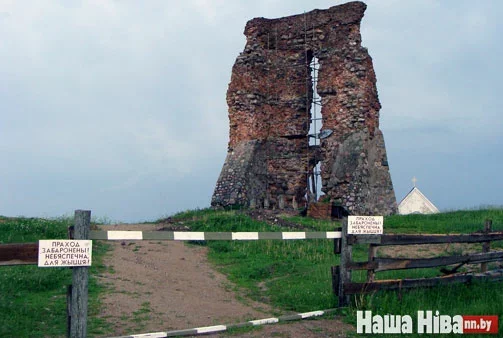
(119, 106)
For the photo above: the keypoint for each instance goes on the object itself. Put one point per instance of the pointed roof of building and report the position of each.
(416, 202)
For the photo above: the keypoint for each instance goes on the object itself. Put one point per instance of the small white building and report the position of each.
(416, 203)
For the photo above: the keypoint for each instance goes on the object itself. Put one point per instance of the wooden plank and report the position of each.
(270, 235)
(158, 235)
(322, 235)
(98, 234)
(336, 275)
(364, 239)
(371, 258)
(337, 242)
(345, 259)
(438, 239)
(426, 239)
(356, 288)
(363, 265)
(486, 247)
(210, 236)
(69, 302)
(18, 254)
(80, 280)
(383, 264)
(214, 236)
(337, 246)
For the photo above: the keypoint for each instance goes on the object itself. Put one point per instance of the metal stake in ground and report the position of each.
(80, 280)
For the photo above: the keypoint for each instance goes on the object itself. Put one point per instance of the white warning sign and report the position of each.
(365, 225)
(64, 252)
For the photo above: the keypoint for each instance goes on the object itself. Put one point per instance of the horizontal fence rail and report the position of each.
(77, 293)
(18, 254)
(341, 275)
(222, 328)
(397, 284)
(210, 236)
(383, 264)
(382, 240)
(27, 253)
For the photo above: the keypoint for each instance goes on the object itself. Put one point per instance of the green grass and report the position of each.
(481, 298)
(476, 298)
(450, 222)
(195, 214)
(33, 299)
(295, 275)
(290, 275)
(315, 224)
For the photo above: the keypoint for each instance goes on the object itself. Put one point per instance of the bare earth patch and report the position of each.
(428, 250)
(168, 285)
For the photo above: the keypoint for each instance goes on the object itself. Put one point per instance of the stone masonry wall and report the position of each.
(269, 100)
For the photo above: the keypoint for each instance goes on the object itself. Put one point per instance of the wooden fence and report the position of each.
(342, 283)
(77, 293)
(343, 286)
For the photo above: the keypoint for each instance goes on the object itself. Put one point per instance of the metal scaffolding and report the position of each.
(312, 103)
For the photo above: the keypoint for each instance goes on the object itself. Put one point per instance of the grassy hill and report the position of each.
(290, 275)
(33, 299)
(295, 275)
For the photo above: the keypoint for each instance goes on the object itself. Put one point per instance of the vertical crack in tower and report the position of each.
(279, 145)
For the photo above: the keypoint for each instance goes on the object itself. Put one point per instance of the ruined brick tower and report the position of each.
(272, 159)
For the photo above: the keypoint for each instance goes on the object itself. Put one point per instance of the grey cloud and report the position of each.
(120, 106)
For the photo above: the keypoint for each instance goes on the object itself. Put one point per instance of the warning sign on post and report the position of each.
(64, 252)
(365, 225)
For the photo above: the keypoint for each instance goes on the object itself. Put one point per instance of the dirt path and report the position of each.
(167, 285)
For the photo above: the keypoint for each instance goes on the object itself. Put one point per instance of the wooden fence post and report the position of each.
(80, 280)
(337, 243)
(71, 233)
(345, 259)
(372, 254)
(486, 246)
(68, 310)
(336, 271)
